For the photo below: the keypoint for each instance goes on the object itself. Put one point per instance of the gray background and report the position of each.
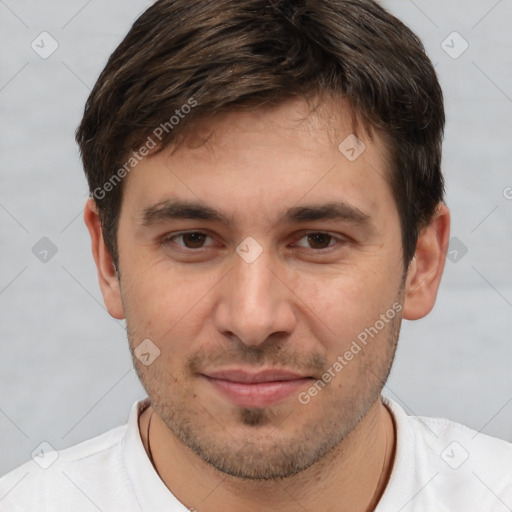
(65, 370)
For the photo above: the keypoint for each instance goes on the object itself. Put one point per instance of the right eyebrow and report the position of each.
(180, 209)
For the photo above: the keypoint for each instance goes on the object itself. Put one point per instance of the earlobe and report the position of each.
(426, 269)
(107, 275)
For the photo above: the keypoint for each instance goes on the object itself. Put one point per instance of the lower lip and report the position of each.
(257, 394)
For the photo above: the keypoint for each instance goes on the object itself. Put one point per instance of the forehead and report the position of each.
(259, 162)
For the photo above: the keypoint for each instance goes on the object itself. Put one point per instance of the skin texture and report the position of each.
(298, 306)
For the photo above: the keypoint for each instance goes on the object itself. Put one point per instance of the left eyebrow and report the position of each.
(329, 211)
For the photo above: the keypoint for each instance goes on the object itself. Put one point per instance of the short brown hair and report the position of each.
(221, 55)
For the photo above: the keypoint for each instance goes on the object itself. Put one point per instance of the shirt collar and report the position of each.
(151, 492)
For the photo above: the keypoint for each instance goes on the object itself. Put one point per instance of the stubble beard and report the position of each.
(274, 455)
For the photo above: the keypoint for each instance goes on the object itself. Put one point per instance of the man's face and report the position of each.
(294, 297)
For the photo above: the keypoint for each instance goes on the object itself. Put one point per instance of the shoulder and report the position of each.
(448, 466)
(77, 475)
(458, 445)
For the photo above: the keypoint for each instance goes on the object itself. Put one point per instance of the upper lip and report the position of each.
(270, 375)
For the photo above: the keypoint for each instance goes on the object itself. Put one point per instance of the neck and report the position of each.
(351, 477)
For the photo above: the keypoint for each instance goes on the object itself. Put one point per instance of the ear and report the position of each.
(107, 275)
(426, 268)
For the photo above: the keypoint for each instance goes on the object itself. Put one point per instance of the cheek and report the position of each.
(165, 304)
(340, 305)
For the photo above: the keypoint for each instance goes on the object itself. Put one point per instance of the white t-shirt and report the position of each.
(439, 466)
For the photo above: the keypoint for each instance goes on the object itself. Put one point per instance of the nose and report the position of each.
(254, 302)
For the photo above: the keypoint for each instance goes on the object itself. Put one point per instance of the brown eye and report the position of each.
(319, 240)
(193, 240)
(190, 240)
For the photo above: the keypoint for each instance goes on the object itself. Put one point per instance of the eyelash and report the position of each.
(168, 239)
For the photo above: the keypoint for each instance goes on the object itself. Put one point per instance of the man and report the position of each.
(266, 206)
